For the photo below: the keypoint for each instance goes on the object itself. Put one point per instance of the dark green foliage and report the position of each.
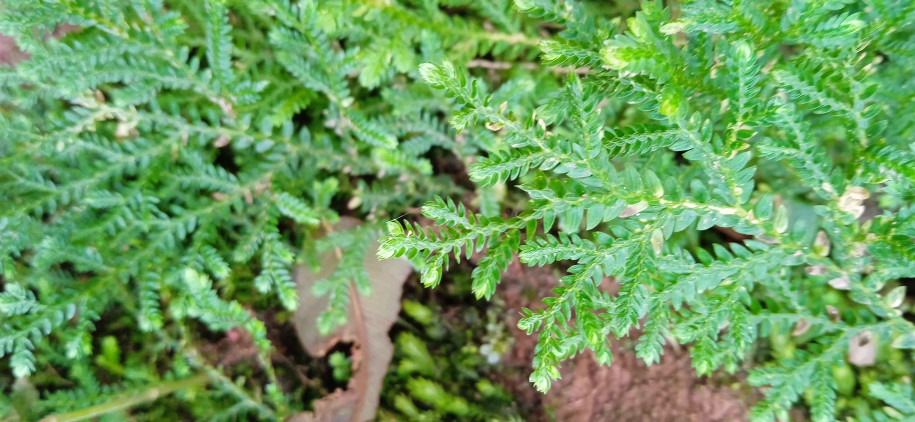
(743, 169)
(785, 126)
(164, 164)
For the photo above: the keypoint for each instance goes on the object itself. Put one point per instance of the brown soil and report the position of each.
(9, 54)
(628, 390)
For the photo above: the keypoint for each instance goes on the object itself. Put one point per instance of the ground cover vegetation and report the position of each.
(784, 126)
(742, 169)
(166, 164)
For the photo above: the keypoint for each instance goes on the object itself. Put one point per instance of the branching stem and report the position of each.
(127, 401)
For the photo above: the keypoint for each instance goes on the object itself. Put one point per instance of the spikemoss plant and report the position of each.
(725, 162)
(164, 163)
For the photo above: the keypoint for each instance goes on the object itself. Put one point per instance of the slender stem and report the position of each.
(245, 400)
(497, 65)
(127, 401)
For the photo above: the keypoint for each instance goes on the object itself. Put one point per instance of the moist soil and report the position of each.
(628, 390)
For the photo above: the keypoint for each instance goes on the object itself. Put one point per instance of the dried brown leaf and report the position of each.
(369, 320)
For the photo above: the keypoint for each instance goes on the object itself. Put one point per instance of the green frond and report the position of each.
(704, 16)
(151, 318)
(636, 140)
(219, 44)
(371, 132)
(351, 247)
(16, 300)
(297, 209)
(275, 276)
(489, 270)
(835, 31)
(509, 165)
(559, 11)
(900, 396)
(558, 53)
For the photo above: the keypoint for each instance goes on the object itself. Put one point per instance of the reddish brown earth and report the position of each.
(628, 390)
(8, 52)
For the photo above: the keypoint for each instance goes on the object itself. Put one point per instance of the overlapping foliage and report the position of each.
(742, 169)
(164, 163)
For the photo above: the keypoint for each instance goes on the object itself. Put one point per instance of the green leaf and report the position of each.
(895, 297)
(905, 341)
(297, 210)
(780, 223)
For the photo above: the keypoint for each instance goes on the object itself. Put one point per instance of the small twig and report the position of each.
(222, 382)
(495, 65)
(128, 401)
(295, 369)
(489, 64)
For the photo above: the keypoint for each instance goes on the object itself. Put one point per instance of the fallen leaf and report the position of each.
(368, 322)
